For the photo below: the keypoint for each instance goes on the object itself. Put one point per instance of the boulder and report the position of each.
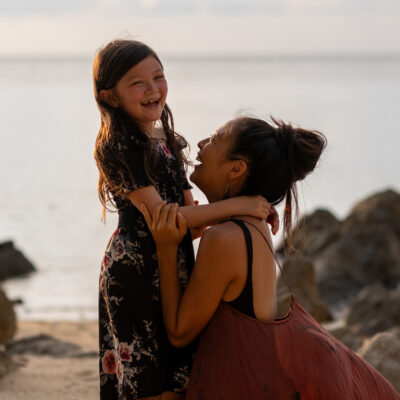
(348, 337)
(42, 344)
(13, 262)
(357, 259)
(382, 351)
(314, 232)
(379, 209)
(366, 250)
(375, 309)
(8, 325)
(299, 273)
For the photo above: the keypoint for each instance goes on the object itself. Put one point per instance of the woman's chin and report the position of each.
(196, 178)
(194, 175)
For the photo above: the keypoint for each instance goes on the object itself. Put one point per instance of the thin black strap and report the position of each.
(273, 254)
(244, 302)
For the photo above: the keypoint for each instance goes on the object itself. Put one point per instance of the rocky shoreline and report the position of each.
(345, 273)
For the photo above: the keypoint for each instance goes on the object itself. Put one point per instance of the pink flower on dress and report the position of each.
(166, 150)
(125, 351)
(109, 362)
(107, 262)
(120, 371)
(117, 250)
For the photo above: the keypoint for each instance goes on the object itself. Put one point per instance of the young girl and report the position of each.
(244, 352)
(141, 162)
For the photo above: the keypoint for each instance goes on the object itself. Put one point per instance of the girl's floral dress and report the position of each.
(136, 358)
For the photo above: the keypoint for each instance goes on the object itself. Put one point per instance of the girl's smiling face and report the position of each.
(142, 92)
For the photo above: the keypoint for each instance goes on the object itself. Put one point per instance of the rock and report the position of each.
(13, 262)
(382, 351)
(299, 272)
(6, 364)
(42, 344)
(348, 337)
(367, 250)
(349, 255)
(314, 232)
(380, 208)
(375, 309)
(8, 325)
(87, 354)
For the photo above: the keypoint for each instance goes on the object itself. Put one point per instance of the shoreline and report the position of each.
(82, 333)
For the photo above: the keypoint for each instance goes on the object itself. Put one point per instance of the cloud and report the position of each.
(196, 35)
(255, 7)
(210, 7)
(199, 7)
(246, 7)
(39, 7)
(160, 7)
(203, 26)
(343, 7)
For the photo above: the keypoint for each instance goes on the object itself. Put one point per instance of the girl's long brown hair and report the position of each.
(109, 65)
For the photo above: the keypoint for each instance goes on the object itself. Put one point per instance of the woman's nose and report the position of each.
(201, 143)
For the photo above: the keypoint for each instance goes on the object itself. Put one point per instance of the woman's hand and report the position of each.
(167, 226)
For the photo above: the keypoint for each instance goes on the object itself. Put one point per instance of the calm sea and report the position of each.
(49, 122)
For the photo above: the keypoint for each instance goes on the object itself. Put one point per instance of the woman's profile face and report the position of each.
(210, 175)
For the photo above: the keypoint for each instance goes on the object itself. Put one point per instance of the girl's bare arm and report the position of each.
(189, 201)
(207, 214)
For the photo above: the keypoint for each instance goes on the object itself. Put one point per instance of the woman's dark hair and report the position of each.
(277, 156)
(109, 65)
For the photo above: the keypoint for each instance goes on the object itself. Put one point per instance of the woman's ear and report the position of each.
(109, 97)
(238, 169)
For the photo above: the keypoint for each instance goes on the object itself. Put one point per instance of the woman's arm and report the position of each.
(186, 314)
(207, 214)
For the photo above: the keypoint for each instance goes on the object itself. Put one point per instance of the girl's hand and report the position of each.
(256, 206)
(273, 220)
(167, 226)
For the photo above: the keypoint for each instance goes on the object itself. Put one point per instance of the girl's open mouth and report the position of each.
(151, 103)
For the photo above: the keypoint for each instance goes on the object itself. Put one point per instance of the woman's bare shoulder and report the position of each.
(224, 235)
(222, 250)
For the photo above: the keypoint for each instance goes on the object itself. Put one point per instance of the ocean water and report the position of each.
(49, 122)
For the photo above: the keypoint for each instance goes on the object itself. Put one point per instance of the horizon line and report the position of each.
(300, 56)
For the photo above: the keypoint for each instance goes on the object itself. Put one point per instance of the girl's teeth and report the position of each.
(150, 102)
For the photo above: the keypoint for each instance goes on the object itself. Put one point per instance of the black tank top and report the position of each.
(244, 302)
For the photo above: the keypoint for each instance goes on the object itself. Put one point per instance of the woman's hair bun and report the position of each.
(302, 147)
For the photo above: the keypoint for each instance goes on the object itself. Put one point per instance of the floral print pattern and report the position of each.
(136, 358)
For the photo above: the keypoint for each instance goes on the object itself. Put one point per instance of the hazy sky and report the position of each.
(59, 27)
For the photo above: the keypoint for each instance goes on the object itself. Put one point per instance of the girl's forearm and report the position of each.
(210, 214)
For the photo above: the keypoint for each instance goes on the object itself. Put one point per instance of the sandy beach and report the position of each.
(41, 377)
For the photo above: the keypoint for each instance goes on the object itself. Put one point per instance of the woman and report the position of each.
(244, 352)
